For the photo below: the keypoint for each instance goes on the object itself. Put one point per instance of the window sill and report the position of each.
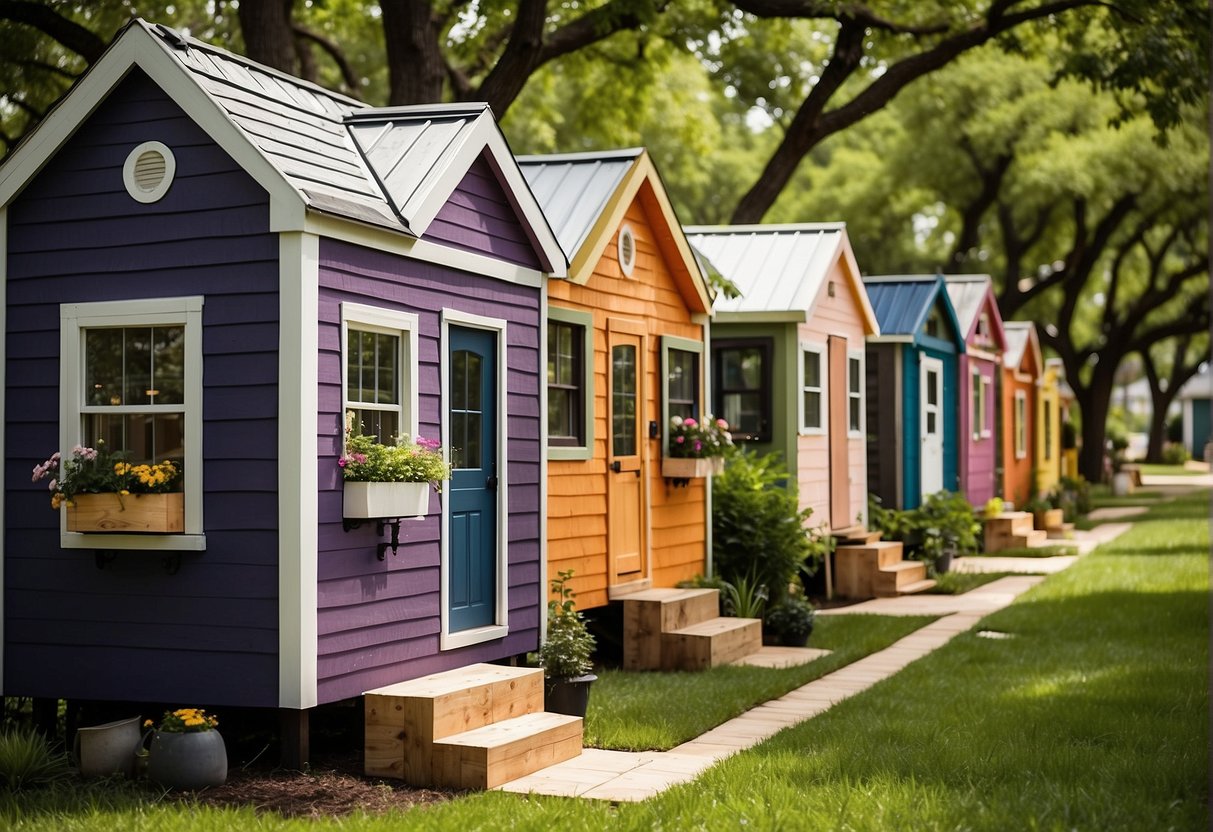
(466, 638)
(148, 542)
(812, 431)
(569, 452)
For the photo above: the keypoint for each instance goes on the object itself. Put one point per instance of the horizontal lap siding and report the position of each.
(577, 490)
(886, 434)
(379, 622)
(1017, 479)
(978, 468)
(479, 217)
(208, 633)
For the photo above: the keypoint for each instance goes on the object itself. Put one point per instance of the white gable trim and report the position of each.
(137, 47)
(3, 432)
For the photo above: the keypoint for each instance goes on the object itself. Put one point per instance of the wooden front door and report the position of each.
(626, 460)
(932, 426)
(840, 458)
(472, 490)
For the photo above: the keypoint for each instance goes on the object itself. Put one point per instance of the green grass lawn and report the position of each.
(1093, 715)
(1153, 470)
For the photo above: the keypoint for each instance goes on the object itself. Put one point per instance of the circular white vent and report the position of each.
(627, 250)
(148, 171)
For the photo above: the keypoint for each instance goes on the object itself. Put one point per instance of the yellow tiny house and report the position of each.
(625, 352)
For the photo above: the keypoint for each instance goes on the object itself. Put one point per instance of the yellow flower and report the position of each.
(124, 492)
(147, 723)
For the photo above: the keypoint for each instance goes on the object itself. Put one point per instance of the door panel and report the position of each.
(840, 460)
(472, 491)
(932, 425)
(626, 465)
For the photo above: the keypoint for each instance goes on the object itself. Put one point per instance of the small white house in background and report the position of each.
(1194, 400)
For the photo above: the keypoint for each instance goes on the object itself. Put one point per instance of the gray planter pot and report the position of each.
(188, 761)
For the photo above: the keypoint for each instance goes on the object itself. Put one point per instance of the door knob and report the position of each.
(616, 466)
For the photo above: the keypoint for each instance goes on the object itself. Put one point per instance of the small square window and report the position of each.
(855, 382)
(742, 387)
(812, 389)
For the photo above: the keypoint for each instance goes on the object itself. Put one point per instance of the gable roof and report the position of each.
(972, 294)
(588, 195)
(1200, 386)
(314, 151)
(903, 302)
(1022, 342)
(780, 268)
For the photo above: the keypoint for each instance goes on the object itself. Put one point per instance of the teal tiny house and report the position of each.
(913, 417)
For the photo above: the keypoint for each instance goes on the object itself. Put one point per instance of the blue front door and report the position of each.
(472, 420)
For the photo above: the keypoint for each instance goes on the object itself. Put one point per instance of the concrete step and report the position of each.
(710, 643)
(651, 612)
(403, 720)
(488, 756)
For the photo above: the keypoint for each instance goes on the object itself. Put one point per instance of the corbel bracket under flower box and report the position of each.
(385, 503)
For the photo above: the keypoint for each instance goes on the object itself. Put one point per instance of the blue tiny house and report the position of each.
(913, 412)
(264, 257)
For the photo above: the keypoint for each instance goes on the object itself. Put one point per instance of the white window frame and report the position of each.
(861, 394)
(823, 391)
(404, 325)
(74, 318)
(1020, 416)
(500, 628)
(987, 392)
(976, 406)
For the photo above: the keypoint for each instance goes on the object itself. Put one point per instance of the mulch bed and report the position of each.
(334, 786)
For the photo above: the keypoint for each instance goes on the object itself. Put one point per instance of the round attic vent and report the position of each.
(627, 250)
(148, 171)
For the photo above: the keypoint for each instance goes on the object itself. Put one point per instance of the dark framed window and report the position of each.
(566, 388)
(741, 385)
(682, 384)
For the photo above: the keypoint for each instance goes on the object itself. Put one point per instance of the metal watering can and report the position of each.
(108, 749)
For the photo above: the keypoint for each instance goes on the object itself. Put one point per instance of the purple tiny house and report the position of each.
(294, 255)
(972, 297)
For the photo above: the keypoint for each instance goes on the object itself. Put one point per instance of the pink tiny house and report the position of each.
(972, 296)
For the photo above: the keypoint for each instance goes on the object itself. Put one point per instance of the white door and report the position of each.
(932, 425)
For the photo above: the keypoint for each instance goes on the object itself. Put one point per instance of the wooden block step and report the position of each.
(649, 613)
(1063, 532)
(1036, 538)
(494, 754)
(891, 579)
(403, 720)
(854, 536)
(711, 643)
(916, 587)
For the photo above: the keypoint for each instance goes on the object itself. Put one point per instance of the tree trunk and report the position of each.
(1095, 399)
(268, 38)
(416, 68)
(1158, 428)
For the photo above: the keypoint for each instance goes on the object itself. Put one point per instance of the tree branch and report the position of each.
(348, 76)
(853, 11)
(45, 19)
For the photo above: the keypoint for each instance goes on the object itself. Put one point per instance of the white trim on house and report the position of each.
(823, 390)
(987, 400)
(861, 356)
(75, 317)
(500, 628)
(791, 316)
(3, 423)
(298, 479)
(403, 325)
(544, 454)
(130, 172)
(976, 405)
(1019, 424)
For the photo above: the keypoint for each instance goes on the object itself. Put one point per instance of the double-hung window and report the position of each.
(570, 391)
(131, 379)
(1021, 424)
(380, 371)
(977, 408)
(741, 387)
(812, 388)
(855, 383)
(681, 367)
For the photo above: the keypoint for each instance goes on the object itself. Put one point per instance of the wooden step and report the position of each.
(488, 756)
(856, 567)
(891, 579)
(1036, 538)
(649, 613)
(854, 536)
(916, 587)
(403, 720)
(711, 643)
(1063, 532)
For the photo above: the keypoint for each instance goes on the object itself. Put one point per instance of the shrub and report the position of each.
(994, 507)
(565, 653)
(1174, 453)
(758, 529)
(27, 760)
(745, 597)
(945, 522)
(1074, 497)
(792, 619)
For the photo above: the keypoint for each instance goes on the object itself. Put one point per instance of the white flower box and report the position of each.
(374, 500)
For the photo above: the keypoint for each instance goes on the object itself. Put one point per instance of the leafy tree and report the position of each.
(1169, 365)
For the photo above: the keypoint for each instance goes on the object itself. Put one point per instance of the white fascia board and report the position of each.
(393, 242)
(3, 431)
(298, 403)
(792, 316)
(138, 48)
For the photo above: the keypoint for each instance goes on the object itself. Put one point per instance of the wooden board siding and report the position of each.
(912, 418)
(209, 633)
(977, 456)
(479, 217)
(840, 316)
(1017, 473)
(883, 367)
(577, 489)
(378, 621)
(1048, 470)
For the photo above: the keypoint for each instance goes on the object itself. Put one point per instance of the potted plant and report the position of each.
(187, 752)
(102, 492)
(389, 480)
(565, 653)
(791, 621)
(696, 448)
(948, 527)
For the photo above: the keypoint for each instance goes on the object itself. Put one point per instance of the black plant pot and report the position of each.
(569, 696)
(796, 639)
(944, 563)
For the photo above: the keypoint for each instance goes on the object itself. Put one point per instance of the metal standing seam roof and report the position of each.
(1018, 335)
(967, 293)
(574, 189)
(902, 302)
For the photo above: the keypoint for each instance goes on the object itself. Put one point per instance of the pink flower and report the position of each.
(680, 439)
(689, 422)
(698, 445)
(360, 459)
(341, 462)
(53, 485)
(722, 424)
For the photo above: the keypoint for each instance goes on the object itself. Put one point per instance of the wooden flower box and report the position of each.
(687, 468)
(374, 500)
(129, 513)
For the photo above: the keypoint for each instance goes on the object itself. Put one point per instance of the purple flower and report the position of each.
(341, 462)
(698, 445)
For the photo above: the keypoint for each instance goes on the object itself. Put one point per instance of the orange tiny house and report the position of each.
(625, 352)
(1022, 365)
